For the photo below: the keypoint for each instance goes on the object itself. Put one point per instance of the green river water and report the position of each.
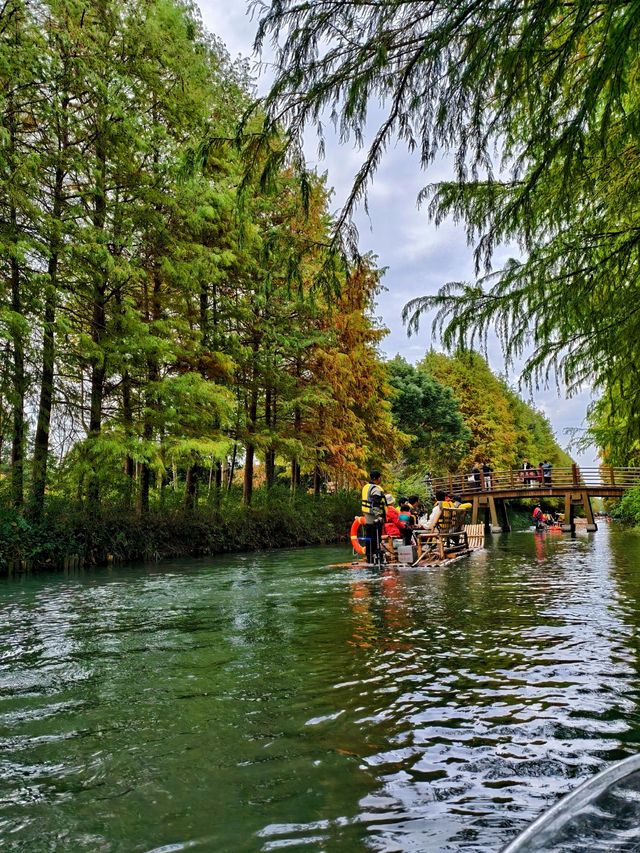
(271, 702)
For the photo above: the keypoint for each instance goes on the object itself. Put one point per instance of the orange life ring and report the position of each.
(355, 527)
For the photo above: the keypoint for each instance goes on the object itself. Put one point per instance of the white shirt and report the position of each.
(429, 522)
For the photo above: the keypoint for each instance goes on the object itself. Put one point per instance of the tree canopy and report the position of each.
(156, 334)
(429, 414)
(538, 105)
(504, 429)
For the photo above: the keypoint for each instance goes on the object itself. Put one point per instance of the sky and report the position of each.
(418, 257)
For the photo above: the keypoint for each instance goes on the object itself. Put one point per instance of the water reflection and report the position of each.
(268, 701)
(503, 679)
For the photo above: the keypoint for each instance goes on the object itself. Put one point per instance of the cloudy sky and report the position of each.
(419, 258)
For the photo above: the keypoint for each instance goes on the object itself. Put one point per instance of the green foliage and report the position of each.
(628, 509)
(504, 428)
(276, 520)
(551, 87)
(613, 429)
(160, 317)
(429, 413)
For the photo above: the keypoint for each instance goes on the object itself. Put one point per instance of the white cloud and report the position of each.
(231, 22)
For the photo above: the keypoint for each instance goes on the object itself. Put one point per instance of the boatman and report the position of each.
(538, 517)
(374, 506)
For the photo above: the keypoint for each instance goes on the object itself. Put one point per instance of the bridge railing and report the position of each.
(532, 479)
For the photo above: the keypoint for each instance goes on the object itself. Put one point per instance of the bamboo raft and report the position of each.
(450, 542)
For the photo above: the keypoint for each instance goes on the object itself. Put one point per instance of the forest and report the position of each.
(186, 354)
(536, 108)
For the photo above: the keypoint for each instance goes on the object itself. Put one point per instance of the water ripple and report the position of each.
(267, 702)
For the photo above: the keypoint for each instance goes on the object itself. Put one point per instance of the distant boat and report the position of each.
(602, 814)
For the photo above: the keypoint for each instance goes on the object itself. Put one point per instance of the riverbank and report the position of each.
(71, 536)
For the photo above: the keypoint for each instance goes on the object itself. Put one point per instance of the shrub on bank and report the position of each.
(276, 520)
(628, 508)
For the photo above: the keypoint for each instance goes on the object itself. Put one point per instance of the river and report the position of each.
(271, 701)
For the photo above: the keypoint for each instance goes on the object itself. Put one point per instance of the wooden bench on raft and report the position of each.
(447, 540)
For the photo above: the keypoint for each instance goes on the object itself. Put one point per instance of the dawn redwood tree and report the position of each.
(504, 428)
(58, 136)
(537, 103)
(19, 97)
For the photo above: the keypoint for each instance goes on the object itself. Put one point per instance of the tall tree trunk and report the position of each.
(204, 314)
(19, 379)
(153, 369)
(19, 388)
(98, 373)
(151, 400)
(99, 314)
(295, 466)
(247, 491)
(127, 417)
(191, 487)
(3, 420)
(41, 441)
(317, 474)
(297, 424)
(232, 466)
(270, 455)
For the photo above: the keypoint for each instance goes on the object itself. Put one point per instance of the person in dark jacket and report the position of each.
(486, 474)
(373, 508)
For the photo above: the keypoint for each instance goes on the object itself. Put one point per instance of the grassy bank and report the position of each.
(85, 537)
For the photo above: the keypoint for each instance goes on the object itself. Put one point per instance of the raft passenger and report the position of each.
(393, 525)
(538, 517)
(407, 520)
(416, 508)
(429, 523)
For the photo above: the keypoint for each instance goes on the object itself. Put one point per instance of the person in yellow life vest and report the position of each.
(458, 503)
(373, 508)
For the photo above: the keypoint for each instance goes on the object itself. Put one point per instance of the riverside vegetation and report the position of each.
(536, 106)
(188, 358)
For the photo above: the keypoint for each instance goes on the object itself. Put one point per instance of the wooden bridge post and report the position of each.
(502, 506)
(494, 527)
(474, 509)
(568, 525)
(497, 525)
(586, 503)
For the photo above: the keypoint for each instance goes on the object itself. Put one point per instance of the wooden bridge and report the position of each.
(574, 486)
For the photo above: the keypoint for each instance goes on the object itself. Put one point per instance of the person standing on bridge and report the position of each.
(546, 472)
(486, 473)
(527, 472)
(474, 478)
